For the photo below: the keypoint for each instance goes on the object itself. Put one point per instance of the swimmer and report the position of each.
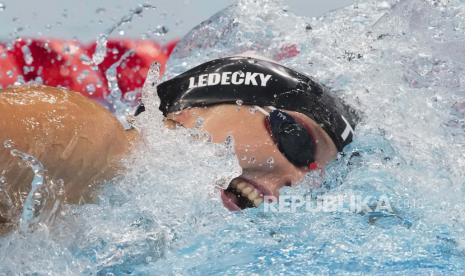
(285, 117)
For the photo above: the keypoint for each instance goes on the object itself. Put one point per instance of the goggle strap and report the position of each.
(266, 113)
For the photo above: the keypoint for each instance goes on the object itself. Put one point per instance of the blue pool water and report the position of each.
(400, 63)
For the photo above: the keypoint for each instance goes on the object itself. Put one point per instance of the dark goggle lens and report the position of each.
(292, 139)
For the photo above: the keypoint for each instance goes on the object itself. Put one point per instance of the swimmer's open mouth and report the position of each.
(241, 195)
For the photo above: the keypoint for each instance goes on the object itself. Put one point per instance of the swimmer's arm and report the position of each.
(75, 139)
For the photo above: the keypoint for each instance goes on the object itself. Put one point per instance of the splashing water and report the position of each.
(123, 108)
(101, 47)
(149, 96)
(28, 59)
(41, 192)
(120, 108)
(399, 63)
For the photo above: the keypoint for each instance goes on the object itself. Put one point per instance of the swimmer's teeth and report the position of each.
(241, 186)
(253, 194)
(248, 191)
(257, 201)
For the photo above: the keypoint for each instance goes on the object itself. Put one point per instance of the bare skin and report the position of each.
(82, 143)
(76, 140)
(254, 146)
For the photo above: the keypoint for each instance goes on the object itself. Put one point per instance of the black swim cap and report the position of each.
(251, 81)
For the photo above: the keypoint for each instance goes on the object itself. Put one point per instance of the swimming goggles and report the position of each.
(292, 138)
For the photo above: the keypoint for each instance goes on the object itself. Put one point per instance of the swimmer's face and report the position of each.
(264, 168)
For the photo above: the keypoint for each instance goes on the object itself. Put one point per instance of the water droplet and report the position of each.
(27, 55)
(2, 7)
(149, 90)
(20, 80)
(39, 80)
(85, 59)
(199, 122)
(100, 49)
(28, 69)
(229, 142)
(384, 5)
(131, 96)
(37, 195)
(8, 144)
(270, 162)
(100, 10)
(82, 76)
(160, 30)
(66, 49)
(60, 184)
(239, 102)
(90, 88)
